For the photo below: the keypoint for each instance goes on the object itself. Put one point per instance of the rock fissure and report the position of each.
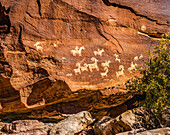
(106, 2)
(39, 7)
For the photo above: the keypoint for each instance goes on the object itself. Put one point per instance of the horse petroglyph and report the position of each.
(117, 57)
(78, 69)
(132, 67)
(77, 51)
(119, 73)
(98, 52)
(38, 47)
(94, 65)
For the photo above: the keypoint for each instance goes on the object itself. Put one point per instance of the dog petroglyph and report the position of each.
(119, 73)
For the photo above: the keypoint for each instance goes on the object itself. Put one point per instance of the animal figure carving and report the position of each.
(85, 68)
(98, 52)
(120, 73)
(117, 57)
(132, 67)
(78, 69)
(94, 65)
(141, 56)
(69, 75)
(38, 47)
(4, 18)
(106, 64)
(105, 73)
(138, 58)
(77, 51)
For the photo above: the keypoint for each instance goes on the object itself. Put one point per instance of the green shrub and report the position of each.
(154, 82)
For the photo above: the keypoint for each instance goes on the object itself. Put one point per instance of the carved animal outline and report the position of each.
(132, 67)
(38, 47)
(94, 65)
(120, 73)
(78, 69)
(84, 68)
(105, 73)
(98, 52)
(77, 50)
(117, 57)
(69, 75)
(106, 64)
(136, 58)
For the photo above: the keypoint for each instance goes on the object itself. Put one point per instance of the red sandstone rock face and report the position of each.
(89, 44)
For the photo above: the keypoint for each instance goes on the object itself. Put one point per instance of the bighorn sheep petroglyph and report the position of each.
(119, 73)
(138, 58)
(132, 67)
(84, 68)
(69, 75)
(105, 73)
(98, 52)
(117, 57)
(106, 64)
(78, 69)
(38, 47)
(77, 51)
(94, 65)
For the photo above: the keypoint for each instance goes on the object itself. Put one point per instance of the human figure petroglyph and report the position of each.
(117, 57)
(106, 64)
(38, 47)
(77, 51)
(78, 69)
(120, 73)
(105, 73)
(98, 52)
(94, 65)
(132, 67)
(84, 68)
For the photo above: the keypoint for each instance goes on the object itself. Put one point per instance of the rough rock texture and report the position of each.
(24, 127)
(72, 124)
(51, 47)
(159, 131)
(138, 119)
(110, 126)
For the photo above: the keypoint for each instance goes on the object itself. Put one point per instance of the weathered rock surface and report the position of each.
(159, 131)
(24, 127)
(110, 126)
(137, 119)
(50, 48)
(72, 124)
